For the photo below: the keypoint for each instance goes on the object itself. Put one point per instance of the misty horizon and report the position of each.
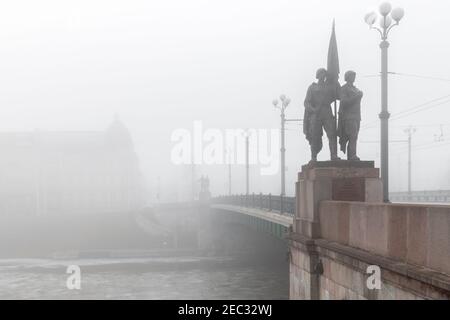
(73, 65)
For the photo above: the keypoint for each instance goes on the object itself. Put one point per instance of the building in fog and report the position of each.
(69, 172)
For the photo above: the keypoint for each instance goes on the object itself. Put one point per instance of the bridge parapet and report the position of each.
(414, 234)
(269, 202)
(434, 196)
(342, 228)
(266, 213)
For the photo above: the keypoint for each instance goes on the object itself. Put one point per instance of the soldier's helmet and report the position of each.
(322, 72)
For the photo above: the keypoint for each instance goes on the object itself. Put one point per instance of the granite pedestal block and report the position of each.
(333, 180)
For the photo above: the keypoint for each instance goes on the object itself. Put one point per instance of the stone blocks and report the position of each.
(332, 180)
(342, 223)
(415, 234)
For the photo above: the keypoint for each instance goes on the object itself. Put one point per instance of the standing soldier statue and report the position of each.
(349, 115)
(318, 115)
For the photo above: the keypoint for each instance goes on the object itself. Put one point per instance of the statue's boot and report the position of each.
(313, 155)
(333, 150)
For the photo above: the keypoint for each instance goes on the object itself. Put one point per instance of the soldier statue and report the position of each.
(349, 115)
(318, 115)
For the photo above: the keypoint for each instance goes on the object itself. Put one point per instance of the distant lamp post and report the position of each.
(386, 17)
(409, 131)
(284, 104)
(229, 153)
(247, 162)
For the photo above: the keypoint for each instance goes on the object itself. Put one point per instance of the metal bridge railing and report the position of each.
(436, 196)
(269, 202)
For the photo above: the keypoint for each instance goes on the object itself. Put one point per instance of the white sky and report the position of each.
(163, 64)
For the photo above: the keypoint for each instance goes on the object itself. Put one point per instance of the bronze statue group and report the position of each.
(319, 115)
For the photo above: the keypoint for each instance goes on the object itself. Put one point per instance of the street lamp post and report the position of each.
(246, 135)
(247, 164)
(284, 104)
(229, 179)
(385, 17)
(409, 131)
(229, 156)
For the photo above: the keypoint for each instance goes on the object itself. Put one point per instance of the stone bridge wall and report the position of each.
(409, 243)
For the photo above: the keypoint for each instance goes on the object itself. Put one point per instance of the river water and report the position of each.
(187, 277)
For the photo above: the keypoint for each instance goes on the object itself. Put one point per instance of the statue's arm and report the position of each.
(308, 101)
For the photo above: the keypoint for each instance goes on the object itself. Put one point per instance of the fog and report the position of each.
(72, 65)
(93, 93)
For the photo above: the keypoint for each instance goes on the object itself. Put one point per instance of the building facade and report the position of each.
(69, 172)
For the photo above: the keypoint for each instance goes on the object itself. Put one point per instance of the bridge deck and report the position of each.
(285, 220)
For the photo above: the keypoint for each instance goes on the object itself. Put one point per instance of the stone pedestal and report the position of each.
(342, 227)
(320, 181)
(332, 180)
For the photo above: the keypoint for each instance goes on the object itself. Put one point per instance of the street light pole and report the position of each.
(284, 104)
(283, 154)
(229, 158)
(409, 132)
(193, 181)
(385, 18)
(229, 179)
(384, 120)
(247, 164)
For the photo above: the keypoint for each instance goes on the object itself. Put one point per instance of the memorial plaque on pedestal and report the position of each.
(336, 181)
(348, 189)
